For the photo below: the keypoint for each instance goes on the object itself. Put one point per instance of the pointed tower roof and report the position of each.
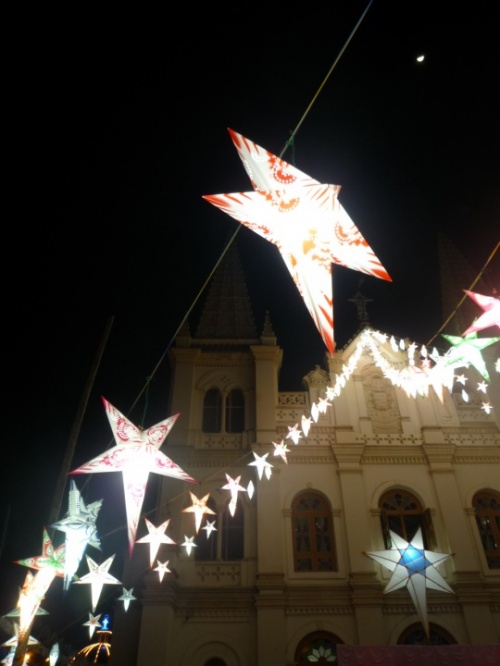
(227, 317)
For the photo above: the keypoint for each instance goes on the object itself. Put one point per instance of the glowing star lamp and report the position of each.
(155, 538)
(199, 508)
(162, 569)
(307, 223)
(79, 525)
(189, 544)
(234, 487)
(491, 314)
(136, 454)
(92, 623)
(209, 527)
(127, 597)
(97, 577)
(49, 565)
(413, 568)
(467, 351)
(54, 654)
(263, 467)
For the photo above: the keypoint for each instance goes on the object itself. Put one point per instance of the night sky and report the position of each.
(117, 126)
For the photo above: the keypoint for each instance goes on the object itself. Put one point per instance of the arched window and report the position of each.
(415, 635)
(486, 505)
(319, 647)
(235, 411)
(223, 413)
(212, 411)
(402, 513)
(226, 542)
(312, 533)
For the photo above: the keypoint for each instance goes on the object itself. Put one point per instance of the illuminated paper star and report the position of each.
(413, 568)
(48, 565)
(209, 527)
(162, 569)
(294, 433)
(97, 577)
(263, 467)
(80, 528)
(234, 487)
(13, 642)
(306, 422)
(491, 314)
(281, 449)
(155, 538)
(54, 654)
(307, 223)
(467, 350)
(482, 386)
(136, 454)
(127, 597)
(487, 408)
(92, 623)
(189, 544)
(199, 508)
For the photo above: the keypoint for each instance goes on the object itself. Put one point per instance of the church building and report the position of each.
(284, 549)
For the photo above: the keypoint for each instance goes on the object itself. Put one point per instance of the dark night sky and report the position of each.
(117, 125)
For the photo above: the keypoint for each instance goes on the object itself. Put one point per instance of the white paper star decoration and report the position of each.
(307, 223)
(127, 597)
(97, 577)
(209, 527)
(189, 544)
(413, 568)
(199, 508)
(162, 569)
(155, 537)
(263, 467)
(136, 454)
(93, 623)
(80, 528)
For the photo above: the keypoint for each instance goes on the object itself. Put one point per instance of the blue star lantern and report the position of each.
(413, 568)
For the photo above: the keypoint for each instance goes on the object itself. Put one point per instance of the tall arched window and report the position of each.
(212, 411)
(402, 513)
(235, 411)
(223, 413)
(486, 505)
(312, 532)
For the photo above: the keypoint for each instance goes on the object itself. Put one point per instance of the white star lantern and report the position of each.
(162, 569)
(97, 577)
(93, 623)
(199, 508)
(79, 525)
(155, 538)
(413, 568)
(307, 223)
(127, 597)
(136, 454)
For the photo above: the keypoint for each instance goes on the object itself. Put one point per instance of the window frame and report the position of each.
(309, 519)
(491, 515)
(405, 520)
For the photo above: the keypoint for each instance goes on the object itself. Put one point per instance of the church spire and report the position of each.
(227, 315)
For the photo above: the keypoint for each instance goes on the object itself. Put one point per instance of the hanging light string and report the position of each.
(480, 274)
